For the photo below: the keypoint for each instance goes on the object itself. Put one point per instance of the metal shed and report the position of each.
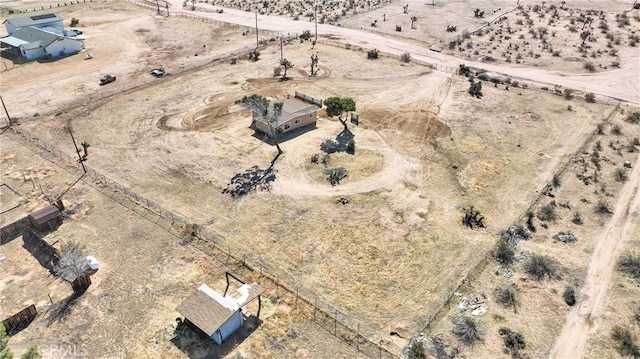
(46, 219)
(218, 315)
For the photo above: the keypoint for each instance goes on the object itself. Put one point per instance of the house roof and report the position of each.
(30, 38)
(292, 107)
(205, 312)
(19, 22)
(45, 214)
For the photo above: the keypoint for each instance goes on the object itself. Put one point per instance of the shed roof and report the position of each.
(19, 22)
(209, 310)
(45, 214)
(203, 311)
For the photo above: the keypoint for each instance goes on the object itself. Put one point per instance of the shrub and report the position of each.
(602, 207)
(547, 213)
(468, 329)
(625, 342)
(406, 58)
(507, 296)
(600, 128)
(277, 71)
(417, 351)
(630, 264)
(633, 117)
(589, 67)
(620, 175)
(513, 342)
(590, 97)
(616, 130)
(306, 35)
(475, 89)
(351, 147)
(541, 266)
(569, 296)
(504, 252)
(34, 352)
(372, 54)
(568, 94)
(74, 22)
(577, 218)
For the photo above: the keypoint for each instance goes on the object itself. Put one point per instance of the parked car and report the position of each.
(106, 79)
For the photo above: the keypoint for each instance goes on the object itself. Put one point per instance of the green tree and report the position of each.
(33, 353)
(339, 106)
(287, 65)
(5, 352)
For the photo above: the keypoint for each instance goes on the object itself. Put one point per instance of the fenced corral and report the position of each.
(308, 99)
(237, 259)
(266, 34)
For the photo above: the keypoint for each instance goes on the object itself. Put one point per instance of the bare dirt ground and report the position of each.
(425, 150)
(129, 310)
(584, 319)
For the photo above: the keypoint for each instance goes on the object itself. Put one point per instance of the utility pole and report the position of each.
(5, 111)
(80, 158)
(281, 54)
(257, 41)
(158, 7)
(315, 15)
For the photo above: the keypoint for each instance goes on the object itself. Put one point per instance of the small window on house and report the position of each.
(286, 127)
(297, 121)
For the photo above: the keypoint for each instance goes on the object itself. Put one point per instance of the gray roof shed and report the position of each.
(18, 22)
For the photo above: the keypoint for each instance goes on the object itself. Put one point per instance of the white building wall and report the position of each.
(64, 46)
(229, 327)
(33, 54)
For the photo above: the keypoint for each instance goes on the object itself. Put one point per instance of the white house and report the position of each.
(40, 38)
(218, 315)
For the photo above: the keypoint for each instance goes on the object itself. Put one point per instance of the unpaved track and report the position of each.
(584, 318)
(622, 83)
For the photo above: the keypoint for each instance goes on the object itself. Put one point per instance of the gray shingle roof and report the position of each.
(18, 22)
(35, 37)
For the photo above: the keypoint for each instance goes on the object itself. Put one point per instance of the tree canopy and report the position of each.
(336, 106)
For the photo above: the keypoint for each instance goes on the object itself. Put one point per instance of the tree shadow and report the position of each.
(340, 144)
(252, 179)
(196, 344)
(61, 310)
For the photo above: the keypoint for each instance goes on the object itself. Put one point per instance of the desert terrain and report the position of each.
(385, 250)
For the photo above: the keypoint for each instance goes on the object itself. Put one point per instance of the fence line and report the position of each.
(10, 10)
(354, 333)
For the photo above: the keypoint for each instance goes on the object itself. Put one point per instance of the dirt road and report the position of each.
(584, 318)
(622, 83)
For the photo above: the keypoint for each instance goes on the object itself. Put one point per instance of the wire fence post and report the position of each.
(358, 337)
(315, 309)
(335, 324)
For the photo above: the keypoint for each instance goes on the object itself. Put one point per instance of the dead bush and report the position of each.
(468, 329)
(625, 342)
(630, 264)
(507, 296)
(541, 266)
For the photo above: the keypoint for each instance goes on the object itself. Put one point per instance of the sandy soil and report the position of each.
(178, 140)
(585, 318)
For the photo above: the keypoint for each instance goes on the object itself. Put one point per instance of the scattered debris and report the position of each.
(565, 237)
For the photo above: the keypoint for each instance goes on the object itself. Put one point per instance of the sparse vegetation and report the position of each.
(541, 266)
(630, 264)
(504, 252)
(5, 352)
(469, 330)
(625, 342)
(547, 212)
(406, 58)
(507, 296)
(590, 97)
(603, 207)
(620, 175)
(372, 54)
(513, 342)
(569, 296)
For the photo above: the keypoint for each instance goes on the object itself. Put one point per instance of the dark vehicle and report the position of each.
(159, 72)
(106, 79)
